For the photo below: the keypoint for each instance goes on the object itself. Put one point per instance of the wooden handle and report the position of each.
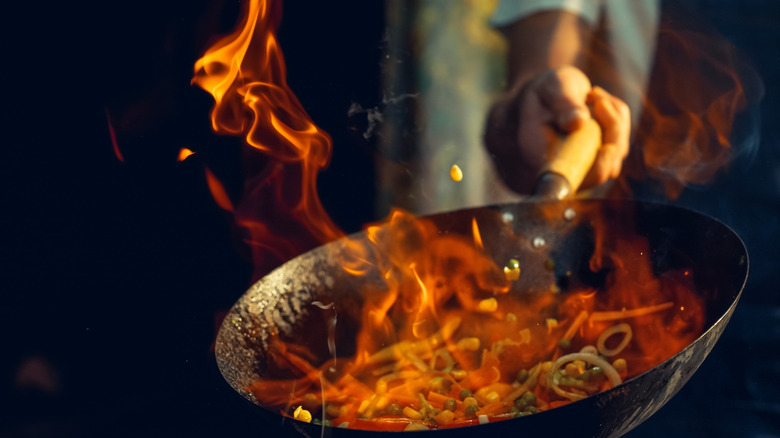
(573, 155)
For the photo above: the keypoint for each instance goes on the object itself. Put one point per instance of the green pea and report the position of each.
(522, 376)
(394, 409)
(530, 409)
(529, 398)
(521, 414)
(471, 411)
(564, 343)
(465, 393)
(593, 375)
(450, 404)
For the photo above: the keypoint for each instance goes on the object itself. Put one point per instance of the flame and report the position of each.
(698, 88)
(114, 142)
(218, 192)
(279, 209)
(689, 110)
(183, 154)
(445, 307)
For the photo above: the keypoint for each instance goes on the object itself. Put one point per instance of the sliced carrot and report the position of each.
(381, 423)
(480, 377)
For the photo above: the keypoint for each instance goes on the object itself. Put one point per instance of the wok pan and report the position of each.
(678, 239)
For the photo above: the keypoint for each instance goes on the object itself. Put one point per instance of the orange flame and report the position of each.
(183, 154)
(279, 208)
(699, 86)
(218, 192)
(446, 308)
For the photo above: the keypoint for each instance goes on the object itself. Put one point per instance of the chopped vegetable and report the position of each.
(512, 270)
(456, 173)
(450, 404)
(487, 305)
(464, 394)
(445, 417)
(411, 413)
(301, 414)
(416, 426)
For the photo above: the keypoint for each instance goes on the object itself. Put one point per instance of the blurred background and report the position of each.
(117, 265)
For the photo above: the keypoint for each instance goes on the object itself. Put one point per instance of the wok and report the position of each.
(678, 239)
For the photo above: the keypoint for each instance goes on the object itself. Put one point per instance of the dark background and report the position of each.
(113, 274)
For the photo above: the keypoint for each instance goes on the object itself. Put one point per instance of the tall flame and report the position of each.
(279, 208)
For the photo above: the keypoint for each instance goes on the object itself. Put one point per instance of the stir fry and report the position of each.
(459, 376)
(449, 340)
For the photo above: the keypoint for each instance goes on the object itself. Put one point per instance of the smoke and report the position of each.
(375, 116)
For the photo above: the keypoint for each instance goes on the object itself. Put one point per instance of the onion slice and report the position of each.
(609, 371)
(606, 334)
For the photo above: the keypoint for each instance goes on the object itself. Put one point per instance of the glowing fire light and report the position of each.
(183, 154)
(446, 311)
(447, 320)
(279, 208)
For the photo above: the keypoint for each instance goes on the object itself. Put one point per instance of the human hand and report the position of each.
(524, 124)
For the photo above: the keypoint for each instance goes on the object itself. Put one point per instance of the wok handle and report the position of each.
(572, 156)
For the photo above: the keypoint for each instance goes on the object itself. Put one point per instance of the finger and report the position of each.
(614, 117)
(564, 92)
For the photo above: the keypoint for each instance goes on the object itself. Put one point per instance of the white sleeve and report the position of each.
(509, 11)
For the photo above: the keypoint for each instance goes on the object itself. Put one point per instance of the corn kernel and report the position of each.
(456, 173)
(416, 426)
(620, 365)
(411, 413)
(301, 414)
(470, 344)
(444, 417)
(469, 401)
(487, 305)
(459, 374)
(492, 396)
(511, 274)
